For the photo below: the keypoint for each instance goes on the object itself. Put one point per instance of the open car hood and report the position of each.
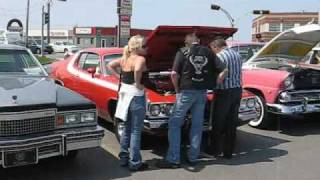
(294, 43)
(164, 42)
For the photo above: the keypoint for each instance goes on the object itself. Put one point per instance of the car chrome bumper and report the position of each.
(283, 109)
(56, 143)
(247, 116)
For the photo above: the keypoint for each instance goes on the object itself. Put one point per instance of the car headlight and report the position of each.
(251, 103)
(167, 109)
(243, 104)
(72, 118)
(284, 97)
(87, 117)
(155, 110)
(288, 81)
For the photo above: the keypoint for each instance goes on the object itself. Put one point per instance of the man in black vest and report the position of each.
(192, 74)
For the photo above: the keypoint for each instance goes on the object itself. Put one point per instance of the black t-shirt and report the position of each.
(198, 68)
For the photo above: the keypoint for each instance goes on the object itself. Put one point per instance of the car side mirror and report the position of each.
(92, 71)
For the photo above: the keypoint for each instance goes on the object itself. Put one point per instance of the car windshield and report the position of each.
(109, 58)
(246, 51)
(19, 62)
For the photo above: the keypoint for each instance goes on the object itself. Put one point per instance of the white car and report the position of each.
(64, 47)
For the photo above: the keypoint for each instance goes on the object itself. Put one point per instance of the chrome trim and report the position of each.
(290, 93)
(292, 110)
(9, 116)
(67, 140)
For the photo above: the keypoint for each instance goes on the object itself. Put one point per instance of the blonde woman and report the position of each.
(131, 101)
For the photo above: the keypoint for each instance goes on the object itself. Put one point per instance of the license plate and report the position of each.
(20, 158)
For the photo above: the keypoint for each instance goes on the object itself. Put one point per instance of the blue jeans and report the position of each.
(132, 134)
(195, 101)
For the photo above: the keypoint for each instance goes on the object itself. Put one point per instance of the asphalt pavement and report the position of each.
(289, 152)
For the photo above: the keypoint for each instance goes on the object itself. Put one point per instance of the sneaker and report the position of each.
(163, 164)
(142, 167)
(191, 163)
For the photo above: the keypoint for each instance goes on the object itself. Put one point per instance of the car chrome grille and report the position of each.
(309, 96)
(26, 122)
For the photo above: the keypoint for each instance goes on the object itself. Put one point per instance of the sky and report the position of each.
(151, 13)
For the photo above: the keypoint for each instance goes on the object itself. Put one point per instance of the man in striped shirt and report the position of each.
(228, 95)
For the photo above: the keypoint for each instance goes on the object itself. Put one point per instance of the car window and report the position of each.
(66, 43)
(19, 62)
(246, 51)
(88, 60)
(57, 43)
(109, 58)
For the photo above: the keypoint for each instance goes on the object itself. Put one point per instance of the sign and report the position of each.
(125, 25)
(83, 31)
(124, 32)
(15, 25)
(125, 7)
(57, 33)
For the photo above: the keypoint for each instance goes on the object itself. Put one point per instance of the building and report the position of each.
(65, 35)
(86, 37)
(267, 26)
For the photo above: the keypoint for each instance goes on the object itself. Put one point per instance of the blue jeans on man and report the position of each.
(193, 100)
(132, 134)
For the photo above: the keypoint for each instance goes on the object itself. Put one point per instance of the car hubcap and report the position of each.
(260, 113)
(120, 128)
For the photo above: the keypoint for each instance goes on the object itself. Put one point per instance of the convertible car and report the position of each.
(86, 73)
(285, 80)
(38, 118)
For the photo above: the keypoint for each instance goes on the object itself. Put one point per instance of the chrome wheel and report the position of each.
(260, 109)
(119, 128)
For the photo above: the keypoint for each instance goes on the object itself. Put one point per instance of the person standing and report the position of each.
(131, 107)
(228, 96)
(192, 75)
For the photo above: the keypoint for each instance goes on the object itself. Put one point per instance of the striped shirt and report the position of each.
(233, 62)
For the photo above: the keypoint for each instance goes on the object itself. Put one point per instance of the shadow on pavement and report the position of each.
(95, 164)
(250, 149)
(300, 127)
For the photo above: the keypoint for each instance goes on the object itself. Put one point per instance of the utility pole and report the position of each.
(27, 23)
(119, 25)
(48, 24)
(42, 29)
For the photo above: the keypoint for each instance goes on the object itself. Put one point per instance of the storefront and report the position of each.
(64, 35)
(86, 37)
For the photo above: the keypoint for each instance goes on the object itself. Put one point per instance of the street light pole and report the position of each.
(27, 23)
(48, 24)
(42, 29)
(49, 20)
(217, 8)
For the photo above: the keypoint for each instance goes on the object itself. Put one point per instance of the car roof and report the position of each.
(12, 47)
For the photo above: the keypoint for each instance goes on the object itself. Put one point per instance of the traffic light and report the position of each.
(261, 12)
(46, 18)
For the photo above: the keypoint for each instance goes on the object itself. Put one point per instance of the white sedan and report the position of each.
(64, 47)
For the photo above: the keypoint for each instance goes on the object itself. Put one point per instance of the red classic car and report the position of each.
(86, 73)
(284, 82)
